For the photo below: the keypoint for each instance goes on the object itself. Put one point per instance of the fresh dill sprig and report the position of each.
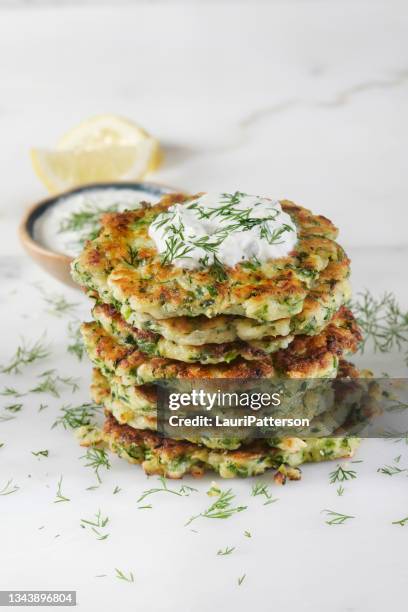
(337, 518)
(401, 522)
(251, 264)
(340, 490)
(76, 346)
(12, 392)
(26, 354)
(340, 474)
(86, 218)
(183, 491)
(122, 576)
(116, 490)
(222, 508)
(14, 407)
(9, 488)
(59, 495)
(96, 525)
(391, 470)
(186, 490)
(41, 453)
(97, 458)
(241, 579)
(247, 534)
(260, 488)
(77, 416)
(85, 222)
(50, 383)
(59, 305)
(226, 551)
(383, 321)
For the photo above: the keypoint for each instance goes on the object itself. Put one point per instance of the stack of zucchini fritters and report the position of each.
(153, 321)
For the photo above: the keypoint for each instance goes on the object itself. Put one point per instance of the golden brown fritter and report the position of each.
(327, 407)
(174, 459)
(319, 308)
(123, 266)
(306, 357)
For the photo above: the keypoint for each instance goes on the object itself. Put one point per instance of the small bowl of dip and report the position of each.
(54, 231)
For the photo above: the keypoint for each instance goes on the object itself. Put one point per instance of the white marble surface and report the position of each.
(302, 99)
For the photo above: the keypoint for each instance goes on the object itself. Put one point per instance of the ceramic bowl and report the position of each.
(58, 264)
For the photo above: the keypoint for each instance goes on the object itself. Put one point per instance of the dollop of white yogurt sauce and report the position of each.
(65, 226)
(225, 228)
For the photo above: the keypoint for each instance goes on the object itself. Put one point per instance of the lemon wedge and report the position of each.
(102, 149)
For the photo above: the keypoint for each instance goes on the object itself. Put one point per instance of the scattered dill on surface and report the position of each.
(340, 474)
(60, 497)
(26, 354)
(336, 518)
(222, 508)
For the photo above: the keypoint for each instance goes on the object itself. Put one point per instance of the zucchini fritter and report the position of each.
(123, 267)
(137, 407)
(314, 317)
(327, 295)
(306, 357)
(154, 345)
(174, 459)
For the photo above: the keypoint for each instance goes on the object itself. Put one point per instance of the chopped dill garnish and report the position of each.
(26, 354)
(247, 534)
(76, 346)
(340, 474)
(14, 407)
(241, 579)
(183, 491)
(260, 488)
(222, 508)
(383, 321)
(59, 495)
(122, 576)
(50, 383)
(77, 416)
(226, 551)
(11, 392)
(96, 525)
(401, 522)
(231, 217)
(336, 517)
(391, 470)
(86, 222)
(9, 488)
(41, 453)
(97, 458)
(340, 490)
(59, 305)
(116, 490)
